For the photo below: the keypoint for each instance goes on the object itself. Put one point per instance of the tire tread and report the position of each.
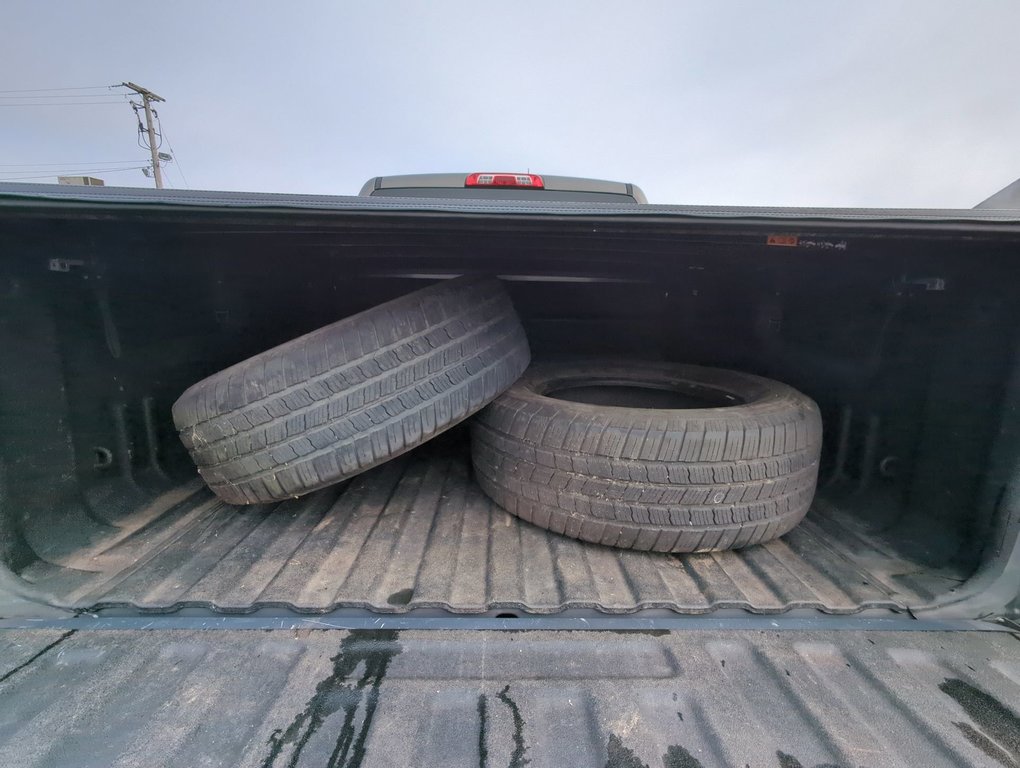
(347, 397)
(644, 479)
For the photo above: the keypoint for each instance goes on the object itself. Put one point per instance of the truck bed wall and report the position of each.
(905, 343)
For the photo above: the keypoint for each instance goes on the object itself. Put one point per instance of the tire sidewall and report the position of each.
(760, 397)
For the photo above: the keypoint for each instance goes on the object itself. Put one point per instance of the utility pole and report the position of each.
(147, 98)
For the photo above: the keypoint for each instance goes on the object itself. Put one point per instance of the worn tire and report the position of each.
(347, 397)
(674, 479)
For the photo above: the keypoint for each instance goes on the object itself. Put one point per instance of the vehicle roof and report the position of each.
(456, 181)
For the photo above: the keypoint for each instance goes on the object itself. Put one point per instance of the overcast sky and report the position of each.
(756, 103)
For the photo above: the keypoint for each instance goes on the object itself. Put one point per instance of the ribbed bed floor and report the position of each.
(419, 533)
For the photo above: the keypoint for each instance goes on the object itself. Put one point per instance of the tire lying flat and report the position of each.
(560, 451)
(347, 397)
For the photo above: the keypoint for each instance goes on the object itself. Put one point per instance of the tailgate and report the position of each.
(488, 698)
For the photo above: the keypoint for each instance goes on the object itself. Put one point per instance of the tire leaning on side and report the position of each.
(675, 479)
(347, 397)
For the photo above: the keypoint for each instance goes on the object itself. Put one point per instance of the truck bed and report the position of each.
(354, 626)
(418, 533)
(904, 334)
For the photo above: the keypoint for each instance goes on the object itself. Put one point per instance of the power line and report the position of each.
(159, 129)
(66, 165)
(63, 96)
(82, 88)
(72, 172)
(173, 153)
(65, 171)
(60, 103)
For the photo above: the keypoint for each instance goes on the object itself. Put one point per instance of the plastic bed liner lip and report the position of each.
(385, 697)
(418, 533)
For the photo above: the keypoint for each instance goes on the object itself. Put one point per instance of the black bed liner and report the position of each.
(419, 533)
(448, 698)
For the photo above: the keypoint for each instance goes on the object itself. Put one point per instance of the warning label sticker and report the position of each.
(796, 241)
(788, 241)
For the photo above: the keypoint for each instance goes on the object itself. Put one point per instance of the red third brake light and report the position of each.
(520, 180)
